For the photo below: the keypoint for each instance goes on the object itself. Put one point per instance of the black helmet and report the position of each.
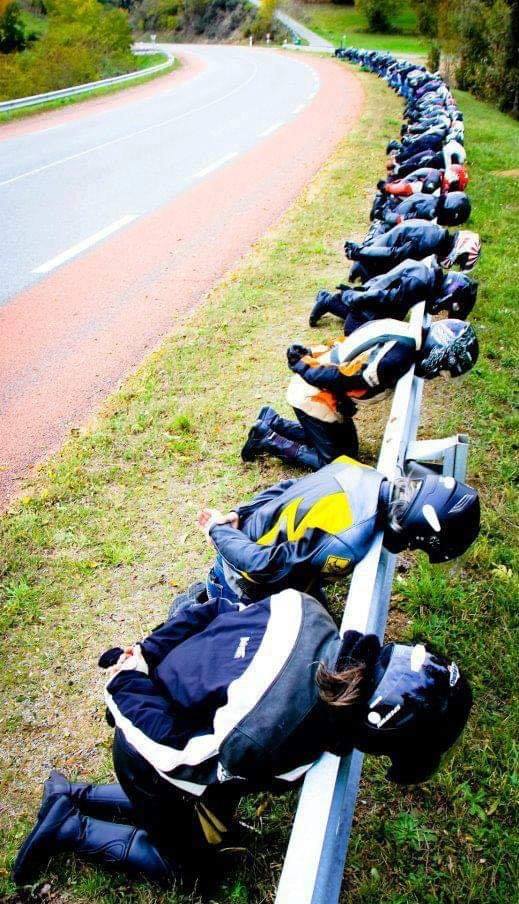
(441, 517)
(458, 296)
(418, 709)
(450, 346)
(453, 208)
(394, 146)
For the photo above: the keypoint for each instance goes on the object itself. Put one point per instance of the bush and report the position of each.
(156, 15)
(83, 42)
(379, 14)
(427, 15)
(483, 35)
(12, 31)
(481, 38)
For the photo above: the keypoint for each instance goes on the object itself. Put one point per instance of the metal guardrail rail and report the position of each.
(37, 99)
(316, 854)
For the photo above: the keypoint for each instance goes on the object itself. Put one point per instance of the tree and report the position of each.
(12, 29)
(84, 41)
(482, 37)
(264, 21)
(427, 15)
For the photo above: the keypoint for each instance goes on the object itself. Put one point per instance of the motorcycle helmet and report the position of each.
(450, 346)
(458, 295)
(394, 147)
(457, 132)
(465, 251)
(455, 178)
(417, 710)
(453, 209)
(438, 515)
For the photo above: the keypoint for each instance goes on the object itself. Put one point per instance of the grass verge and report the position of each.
(144, 62)
(102, 538)
(346, 25)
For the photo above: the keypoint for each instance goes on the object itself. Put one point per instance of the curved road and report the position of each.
(120, 213)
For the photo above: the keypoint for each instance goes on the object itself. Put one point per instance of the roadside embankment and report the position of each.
(105, 535)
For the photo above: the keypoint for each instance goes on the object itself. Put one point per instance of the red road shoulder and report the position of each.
(68, 341)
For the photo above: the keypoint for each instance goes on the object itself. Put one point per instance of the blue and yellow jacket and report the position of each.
(298, 530)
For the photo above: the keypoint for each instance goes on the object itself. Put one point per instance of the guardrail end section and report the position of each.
(448, 456)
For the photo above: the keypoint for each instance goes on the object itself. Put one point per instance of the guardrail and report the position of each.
(37, 99)
(316, 854)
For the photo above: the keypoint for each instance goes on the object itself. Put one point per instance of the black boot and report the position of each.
(328, 303)
(320, 307)
(102, 801)
(281, 425)
(262, 440)
(267, 415)
(253, 446)
(61, 827)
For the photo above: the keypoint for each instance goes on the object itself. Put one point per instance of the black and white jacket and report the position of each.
(227, 693)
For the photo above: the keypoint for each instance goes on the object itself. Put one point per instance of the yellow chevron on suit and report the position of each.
(331, 514)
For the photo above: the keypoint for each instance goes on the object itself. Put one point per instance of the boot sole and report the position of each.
(247, 455)
(249, 452)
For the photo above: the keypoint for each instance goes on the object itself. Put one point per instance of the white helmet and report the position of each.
(457, 132)
(464, 252)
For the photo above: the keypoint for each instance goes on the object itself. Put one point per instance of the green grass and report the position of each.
(143, 62)
(105, 535)
(345, 24)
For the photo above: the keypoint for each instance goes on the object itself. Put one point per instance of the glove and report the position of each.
(113, 660)
(110, 657)
(295, 353)
(351, 250)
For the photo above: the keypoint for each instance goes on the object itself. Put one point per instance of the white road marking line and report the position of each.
(48, 129)
(86, 243)
(156, 125)
(277, 125)
(216, 165)
(298, 109)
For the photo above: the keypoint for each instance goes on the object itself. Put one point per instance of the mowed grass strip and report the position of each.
(105, 535)
(345, 25)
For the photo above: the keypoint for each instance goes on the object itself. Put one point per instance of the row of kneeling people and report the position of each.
(248, 681)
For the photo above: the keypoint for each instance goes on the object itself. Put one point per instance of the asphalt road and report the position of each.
(74, 184)
(121, 213)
